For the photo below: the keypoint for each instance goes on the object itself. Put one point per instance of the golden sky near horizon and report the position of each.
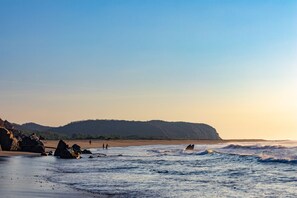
(263, 112)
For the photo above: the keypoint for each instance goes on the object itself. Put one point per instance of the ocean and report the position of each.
(262, 169)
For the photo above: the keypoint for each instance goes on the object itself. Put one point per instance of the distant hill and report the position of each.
(121, 129)
(155, 129)
(33, 127)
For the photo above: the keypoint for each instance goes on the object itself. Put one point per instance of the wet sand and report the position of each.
(26, 177)
(17, 153)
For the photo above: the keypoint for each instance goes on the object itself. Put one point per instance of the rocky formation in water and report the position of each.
(65, 152)
(190, 147)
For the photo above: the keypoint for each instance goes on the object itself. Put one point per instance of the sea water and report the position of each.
(263, 169)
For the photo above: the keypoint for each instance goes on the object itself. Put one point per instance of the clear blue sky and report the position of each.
(219, 62)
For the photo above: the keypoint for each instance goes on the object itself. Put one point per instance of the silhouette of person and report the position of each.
(106, 147)
(103, 146)
(90, 142)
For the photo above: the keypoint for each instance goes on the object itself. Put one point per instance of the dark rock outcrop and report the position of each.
(85, 151)
(76, 148)
(31, 143)
(190, 147)
(12, 139)
(65, 152)
(8, 141)
(62, 149)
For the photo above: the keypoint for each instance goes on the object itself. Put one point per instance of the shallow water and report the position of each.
(267, 169)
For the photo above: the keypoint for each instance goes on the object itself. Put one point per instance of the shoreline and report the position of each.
(30, 179)
(51, 144)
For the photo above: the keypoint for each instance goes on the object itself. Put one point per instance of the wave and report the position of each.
(206, 152)
(275, 160)
(254, 147)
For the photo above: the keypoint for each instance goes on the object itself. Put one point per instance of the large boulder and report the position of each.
(8, 141)
(62, 146)
(31, 144)
(63, 151)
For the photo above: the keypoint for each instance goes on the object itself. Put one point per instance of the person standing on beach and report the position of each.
(90, 142)
(103, 146)
(106, 147)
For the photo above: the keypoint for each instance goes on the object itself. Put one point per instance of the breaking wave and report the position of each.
(254, 147)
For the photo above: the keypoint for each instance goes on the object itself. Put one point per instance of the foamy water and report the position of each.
(267, 169)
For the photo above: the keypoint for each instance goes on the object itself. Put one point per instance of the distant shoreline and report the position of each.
(51, 144)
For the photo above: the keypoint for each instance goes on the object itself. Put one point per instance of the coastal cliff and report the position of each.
(122, 129)
(154, 129)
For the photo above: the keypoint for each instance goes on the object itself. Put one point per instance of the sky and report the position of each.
(231, 64)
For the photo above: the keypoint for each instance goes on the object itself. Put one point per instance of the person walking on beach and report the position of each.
(90, 142)
(103, 146)
(106, 147)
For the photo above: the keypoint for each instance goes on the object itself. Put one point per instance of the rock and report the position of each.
(31, 144)
(50, 153)
(91, 156)
(190, 147)
(76, 148)
(101, 155)
(85, 151)
(63, 151)
(1, 123)
(43, 154)
(8, 141)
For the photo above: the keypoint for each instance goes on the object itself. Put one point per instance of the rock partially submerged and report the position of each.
(76, 148)
(85, 151)
(65, 152)
(190, 147)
